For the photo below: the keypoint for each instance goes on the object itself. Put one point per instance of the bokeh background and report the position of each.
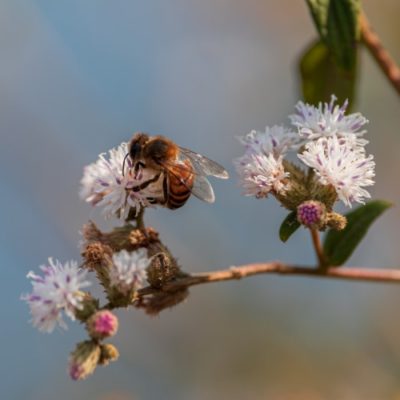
(79, 77)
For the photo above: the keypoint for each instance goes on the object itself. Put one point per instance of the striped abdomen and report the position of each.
(178, 183)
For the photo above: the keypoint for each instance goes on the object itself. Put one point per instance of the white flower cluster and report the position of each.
(56, 291)
(329, 120)
(104, 184)
(129, 270)
(261, 169)
(326, 140)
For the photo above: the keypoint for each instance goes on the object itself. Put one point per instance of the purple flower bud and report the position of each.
(311, 213)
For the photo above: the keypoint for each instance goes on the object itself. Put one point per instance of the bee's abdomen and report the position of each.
(179, 184)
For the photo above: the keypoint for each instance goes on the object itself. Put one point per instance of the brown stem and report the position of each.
(349, 273)
(381, 55)
(318, 248)
(140, 221)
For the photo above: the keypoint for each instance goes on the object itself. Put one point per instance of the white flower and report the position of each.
(338, 164)
(129, 270)
(104, 184)
(329, 120)
(260, 169)
(58, 290)
(276, 139)
(260, 174)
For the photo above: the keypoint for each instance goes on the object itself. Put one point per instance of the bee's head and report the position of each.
(136, 145)
(135, 149)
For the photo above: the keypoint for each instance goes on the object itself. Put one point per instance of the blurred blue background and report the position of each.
(79, 77)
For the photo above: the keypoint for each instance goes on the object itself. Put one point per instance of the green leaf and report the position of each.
(343, 31)
(319, 12)
(339, 245)
(289, 226)
(337, 23)
(321, 76)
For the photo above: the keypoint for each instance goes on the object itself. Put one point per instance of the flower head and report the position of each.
(261, 169)
(329, 120)
(340, 165)
(56, 291)
(104, 184)
(129, 270)
(276, 140)
(260, 174)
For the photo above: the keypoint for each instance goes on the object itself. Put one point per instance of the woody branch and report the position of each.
(380, 54)
(278, 268)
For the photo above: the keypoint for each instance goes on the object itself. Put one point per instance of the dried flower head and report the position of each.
(336, 221)
(328, 120)
(338, 164)
(108, 353)
(96, 255)
(56, 291)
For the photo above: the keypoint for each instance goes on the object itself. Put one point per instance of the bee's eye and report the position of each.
(135, 150)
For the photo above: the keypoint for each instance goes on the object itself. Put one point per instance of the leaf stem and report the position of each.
(140, 221)
(316, 239)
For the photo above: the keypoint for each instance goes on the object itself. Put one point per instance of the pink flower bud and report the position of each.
(76, 372)
(102, 324)
(83, 360)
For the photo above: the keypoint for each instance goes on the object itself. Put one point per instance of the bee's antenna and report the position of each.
(123, 164)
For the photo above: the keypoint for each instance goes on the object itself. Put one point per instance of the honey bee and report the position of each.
(178, 172)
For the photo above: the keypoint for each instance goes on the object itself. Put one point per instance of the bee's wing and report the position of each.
(201, 187)
(203, 165)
